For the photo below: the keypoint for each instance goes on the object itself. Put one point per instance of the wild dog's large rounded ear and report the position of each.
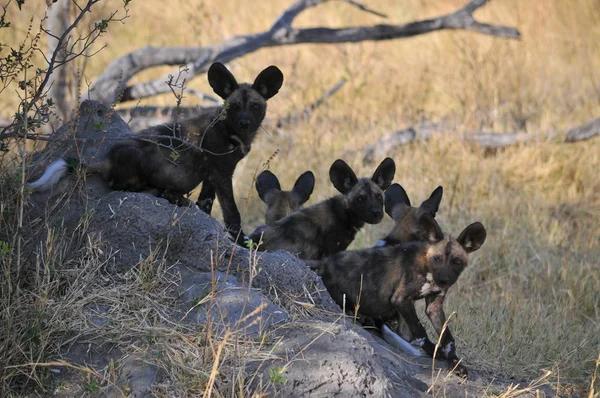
(268, 82)
(304, 186)
(396, 200)
(221, 80)
(432, 204)
(429, 229)
(472, 237)
(267, 183)
(342, 176)
(384, 175)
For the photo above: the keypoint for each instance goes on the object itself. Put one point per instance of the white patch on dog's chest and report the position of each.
(429, 287)
(448, 349)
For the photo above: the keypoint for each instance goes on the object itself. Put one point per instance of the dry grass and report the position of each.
(529, 301)
(67, 302)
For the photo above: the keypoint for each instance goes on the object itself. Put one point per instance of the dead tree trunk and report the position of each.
(59, 20)
(112, 86)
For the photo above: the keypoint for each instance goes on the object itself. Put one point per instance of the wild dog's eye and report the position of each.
(437, 259)
(457, 262)
(255, 106)
(234, 106)
(378, 196)
(360, 199)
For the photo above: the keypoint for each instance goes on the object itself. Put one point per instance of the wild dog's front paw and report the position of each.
(176, 199)
(459, 369)
(205, 205)
(185, 202)
(426, 345)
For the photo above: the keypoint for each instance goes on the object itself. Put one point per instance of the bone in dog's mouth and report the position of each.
(243, 147)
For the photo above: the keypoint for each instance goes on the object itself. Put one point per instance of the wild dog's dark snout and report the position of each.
(377, 213)
(245, 123)
(443, 279)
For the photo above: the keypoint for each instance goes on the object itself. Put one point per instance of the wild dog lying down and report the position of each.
(171, 168)
(283, 203)
(382, 282)
(330, 226)
(406, 217)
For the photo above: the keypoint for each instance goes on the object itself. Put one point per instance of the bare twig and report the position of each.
(306, 113)
(117, 75)
(144, 137)
(364, 8)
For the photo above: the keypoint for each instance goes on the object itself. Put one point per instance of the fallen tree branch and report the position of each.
(497, 140)
(584, 132)
(491, 140)
(141, 117)
(117, 75)
(160, 112)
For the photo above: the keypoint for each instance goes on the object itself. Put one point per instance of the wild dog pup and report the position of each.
(283, 203)
(330, 226)
(406, 227)
(382, 282)
(172, 168)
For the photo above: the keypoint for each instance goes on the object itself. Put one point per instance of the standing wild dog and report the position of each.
(407, 228)
(172, 168)
(382, 282)
(283, 203)
(406, 217)
(330, 226)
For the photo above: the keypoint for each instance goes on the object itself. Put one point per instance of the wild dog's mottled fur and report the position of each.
(330, 226)
(406, 227)
(383, 282)
(172, 168)
(283, 203)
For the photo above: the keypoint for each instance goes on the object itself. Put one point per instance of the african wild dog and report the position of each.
(407, 228)
(171, 168)
(382, 282)
(330, 226)
(283, 203)
(406, 217)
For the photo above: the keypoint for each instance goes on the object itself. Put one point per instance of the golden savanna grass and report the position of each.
(529, 301)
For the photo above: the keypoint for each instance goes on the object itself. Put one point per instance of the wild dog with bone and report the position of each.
(167, 165)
